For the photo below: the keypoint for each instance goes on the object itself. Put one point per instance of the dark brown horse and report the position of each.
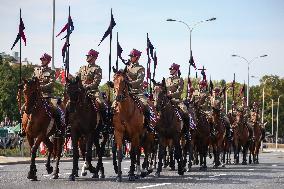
(128, 122)
(218, 140)
(83, 117)
(240, 138)
(38, 125)
(169, 127)
(255, 144)
(202, 137)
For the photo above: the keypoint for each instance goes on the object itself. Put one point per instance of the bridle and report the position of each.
(121, 97)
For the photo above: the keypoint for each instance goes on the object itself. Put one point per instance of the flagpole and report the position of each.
(148, 67)
(116, 51)
(20, 81)
(53, 28)
(233, 90)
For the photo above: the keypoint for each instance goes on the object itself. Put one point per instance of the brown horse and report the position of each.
(218, 140)
(202, 135)
(128, 121)
(255, 144)
(240, 138)
(83, 118)
(169, 127)
(38, 125)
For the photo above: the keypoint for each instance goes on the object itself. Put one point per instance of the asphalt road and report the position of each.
(268, 174)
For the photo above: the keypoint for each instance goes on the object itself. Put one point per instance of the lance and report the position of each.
(20, 83)
(148, 67)
(233, 90)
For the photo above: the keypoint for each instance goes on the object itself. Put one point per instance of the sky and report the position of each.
(246, 28)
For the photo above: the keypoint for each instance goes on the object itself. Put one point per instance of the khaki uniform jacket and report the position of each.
(91, 76)
(136, 74)
(175, 87)
(46, 77)
(204, 100)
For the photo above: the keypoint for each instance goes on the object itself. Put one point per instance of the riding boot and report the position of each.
(105, 118)
(187, 134)
(147, 120)
(228, 130)
(263, 134)
(212, 130)
(57, 118)
(251, 133)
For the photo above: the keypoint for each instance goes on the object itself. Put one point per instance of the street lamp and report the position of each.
(277, 123)
(190, 31)
(249, 62)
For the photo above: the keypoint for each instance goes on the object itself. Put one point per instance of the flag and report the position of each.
(242, 90)
(189, 84)
(211, 86)
(109, 30)
(155, 59)
(191, 61)
(69, 27)
(148, 73)
(150, 48)
(64, 51)
(21, 34)
(119, 52)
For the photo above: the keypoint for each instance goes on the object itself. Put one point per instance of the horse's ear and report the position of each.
(164, 82)
(114, 70)
(25, 81)
(77, 79)
(125, 70)
(154, 82)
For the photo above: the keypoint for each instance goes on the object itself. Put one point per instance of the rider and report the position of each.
(244, 108)
(203, 97)
(136, 73)
(255, 110)
(217, 104)
(175, 86)
(46, 78)
(91, 76)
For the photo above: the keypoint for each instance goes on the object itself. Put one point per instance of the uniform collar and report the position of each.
(134, 64)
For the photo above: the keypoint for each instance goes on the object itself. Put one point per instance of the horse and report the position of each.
(202, 137)
(219, 139)
(128, 122)
(38, 125)
(169, 126)
(240, 137)
(255, 144)
(83, 117)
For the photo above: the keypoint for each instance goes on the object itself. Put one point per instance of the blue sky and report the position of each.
(248, 28)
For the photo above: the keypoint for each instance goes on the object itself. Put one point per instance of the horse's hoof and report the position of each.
(102, 176)
(95, 175)
(188, 169)
(223, 165)
(72, 177)
(34, 179)
(144, 174)
(55, 176)
(131, 178)
(172, 169)
(157, 174)
(118, 179)
(137, 176)
(49, 169)
(215, 166)
(244, 163)
(76, 175)
(84, 174)
(181, 172)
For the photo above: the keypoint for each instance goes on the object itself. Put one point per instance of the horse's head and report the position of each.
(74, 89)
(120, 84)
(160, 94)
(31, 93)
(239, 116)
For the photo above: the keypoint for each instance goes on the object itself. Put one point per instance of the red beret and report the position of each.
(203, 83)
(174, 66)
(135, 53)
(92, 52)
(46, 57)
(217, 89)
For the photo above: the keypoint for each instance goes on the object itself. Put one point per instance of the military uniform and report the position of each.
(91, 76)
(175, 87)
(246, 112)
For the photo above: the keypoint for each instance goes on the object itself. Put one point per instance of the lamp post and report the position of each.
(249, 62)
(277, 121)
(272, 118)
(53, 28)
(190, 29)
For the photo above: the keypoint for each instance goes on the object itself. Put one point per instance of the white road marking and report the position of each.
(155, 185)
(274, 165)
(1, 166)
(125, 168)
(251, 169)
(217, 175)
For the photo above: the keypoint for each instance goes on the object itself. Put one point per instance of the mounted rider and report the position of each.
(175, 86)
(136, 73)
(203, 97)
(246, 112)
(217, 104)
(46, 78)
(255, 118)
(91, 76)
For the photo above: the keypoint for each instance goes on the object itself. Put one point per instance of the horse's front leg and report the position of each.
(74, 138)
(49, 145)
(118, 142)
(59, 143)
(161, 155)
(32, 173)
